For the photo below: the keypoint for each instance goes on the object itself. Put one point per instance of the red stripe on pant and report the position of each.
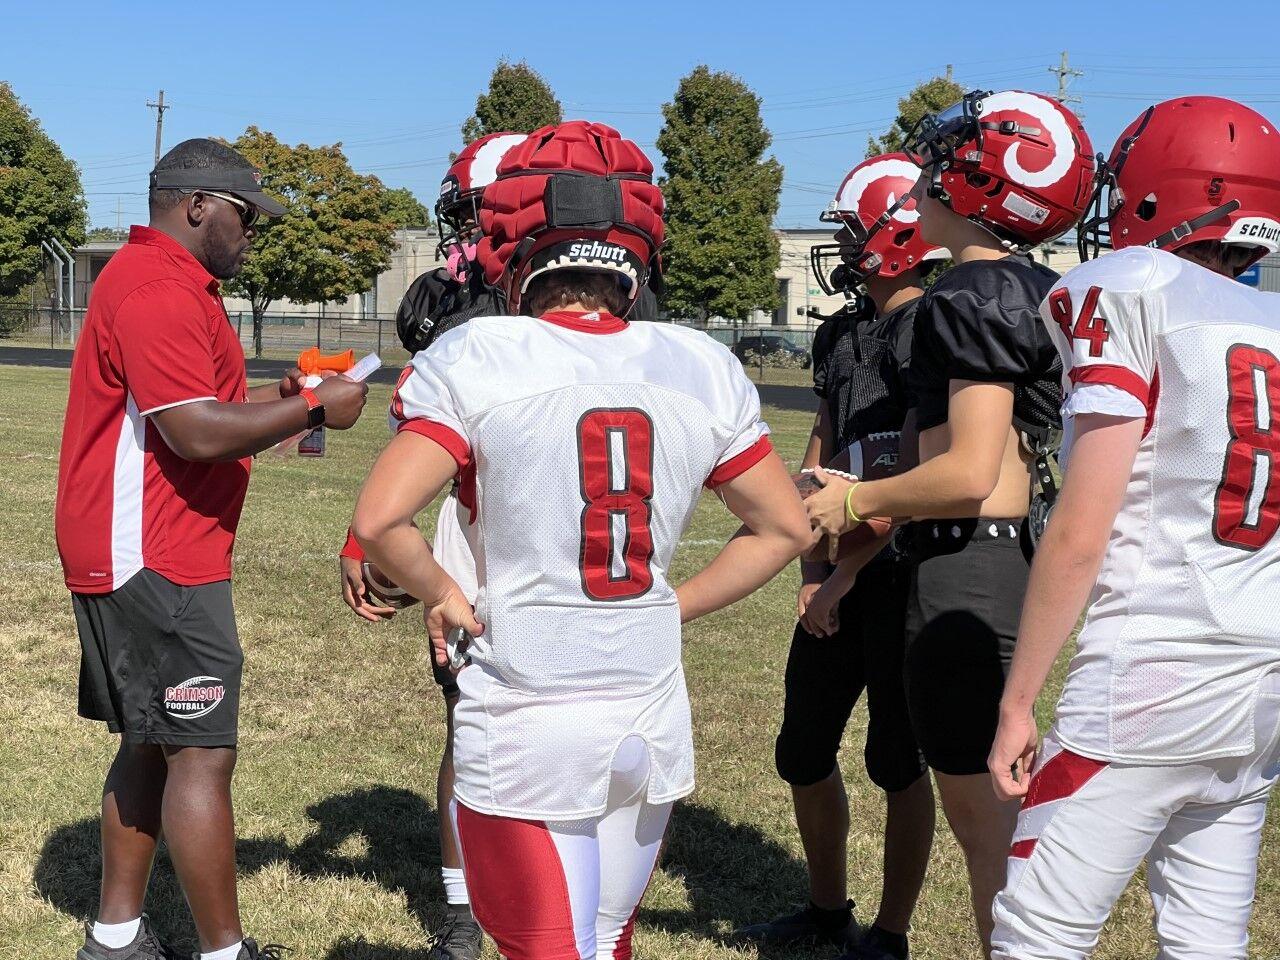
(1058, 779)
(518, 889)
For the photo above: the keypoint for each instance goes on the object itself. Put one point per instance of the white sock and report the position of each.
(455, 886)
(116, 935)
(225, 953)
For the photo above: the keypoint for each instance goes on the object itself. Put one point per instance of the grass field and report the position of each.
(341, 732)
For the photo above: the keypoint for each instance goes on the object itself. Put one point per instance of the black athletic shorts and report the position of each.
(160, 662)
(962, 623)
(826, 675)
(445, 678)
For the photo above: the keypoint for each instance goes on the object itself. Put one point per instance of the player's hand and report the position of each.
(343, 401)
(1013, 755)
(356, 595)
(451, 612)
(807, 590)
(823, 616)
(826, 506)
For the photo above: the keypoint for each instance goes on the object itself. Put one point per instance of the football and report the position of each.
(383, 590)
(874, 457)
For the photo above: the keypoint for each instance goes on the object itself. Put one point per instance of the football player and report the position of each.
(435, 302)
(850, 634)
(1001, 172)
(1166, 743)
(582, 442)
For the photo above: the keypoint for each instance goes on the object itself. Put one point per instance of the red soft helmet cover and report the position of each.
(1032, 187)
(513, 208)
(1192, 155)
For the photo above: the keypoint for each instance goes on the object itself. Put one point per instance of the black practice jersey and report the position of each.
(981, 321)
(859, 364)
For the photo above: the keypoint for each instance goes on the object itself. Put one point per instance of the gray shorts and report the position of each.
(160, 662)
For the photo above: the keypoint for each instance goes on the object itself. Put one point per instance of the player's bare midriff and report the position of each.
(1012, 493)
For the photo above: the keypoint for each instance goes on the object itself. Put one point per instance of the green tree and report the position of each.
(335, 238)
(405, 210)
(928, 97)
(106, 233)
(518, 101)
(40, 196)
(721, 256)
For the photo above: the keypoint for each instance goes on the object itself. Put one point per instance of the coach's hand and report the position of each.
(826, 506)
(343, 401)
(452, 611)
(1013, 754)
(356, 595)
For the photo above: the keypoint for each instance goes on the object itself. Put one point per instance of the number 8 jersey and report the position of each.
(1181, 626)
(583, 444)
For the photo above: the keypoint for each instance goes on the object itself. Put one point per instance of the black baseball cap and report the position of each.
(244, 182)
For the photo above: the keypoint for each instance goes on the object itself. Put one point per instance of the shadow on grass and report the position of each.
(400, 832)
(734, 873)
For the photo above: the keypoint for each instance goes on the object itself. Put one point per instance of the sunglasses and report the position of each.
(248, 212)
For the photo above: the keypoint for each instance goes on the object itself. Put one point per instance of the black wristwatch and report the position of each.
(315, 409)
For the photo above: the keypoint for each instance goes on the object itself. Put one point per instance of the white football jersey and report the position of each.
(1180, 628)
(584, 443)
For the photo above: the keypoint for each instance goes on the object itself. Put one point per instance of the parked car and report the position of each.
(770, 343)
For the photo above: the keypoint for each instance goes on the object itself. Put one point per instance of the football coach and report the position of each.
(156, 448)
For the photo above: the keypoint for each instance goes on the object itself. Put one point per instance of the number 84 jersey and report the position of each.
(1181, 626)
(583, 444)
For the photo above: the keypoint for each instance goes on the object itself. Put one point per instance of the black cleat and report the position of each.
(836, 927)
(146, 946)
(459, 937)
(876, 944)
(249, 950)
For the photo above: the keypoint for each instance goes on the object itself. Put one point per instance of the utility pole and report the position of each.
(950, 72)
(118, 213)
(1065, 75)
(160, 107)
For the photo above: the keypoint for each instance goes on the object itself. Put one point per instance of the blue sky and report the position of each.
(393, 81)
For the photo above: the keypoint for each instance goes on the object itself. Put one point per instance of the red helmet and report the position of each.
(1190, 169)
(1018, 164)
(471, 171)
(874, 204)
(574, 195)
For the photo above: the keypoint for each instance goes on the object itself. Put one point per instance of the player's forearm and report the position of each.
(264, 393)
(746, 563)
(946, 486)
(821, 440)
(1062, 576)
(405, 558)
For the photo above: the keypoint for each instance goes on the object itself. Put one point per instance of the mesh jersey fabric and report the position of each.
(1180, 627)
(979, 321)
(583, 446)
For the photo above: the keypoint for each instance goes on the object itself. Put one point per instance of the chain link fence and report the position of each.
(771, 355)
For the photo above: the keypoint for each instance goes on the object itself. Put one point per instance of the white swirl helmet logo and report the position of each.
(1055, 127)
(856, 185)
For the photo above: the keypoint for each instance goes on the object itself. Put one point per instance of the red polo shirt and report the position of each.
(155, 336)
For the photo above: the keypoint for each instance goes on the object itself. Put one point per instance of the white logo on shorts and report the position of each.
(193, 698)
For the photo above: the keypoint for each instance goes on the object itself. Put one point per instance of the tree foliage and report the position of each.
(336, 236)
(931, 96)
(518, 101)
(40, 195)
(406, 210)
(721, 256)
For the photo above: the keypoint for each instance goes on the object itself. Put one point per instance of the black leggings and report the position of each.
(826, 676)
(962, 623)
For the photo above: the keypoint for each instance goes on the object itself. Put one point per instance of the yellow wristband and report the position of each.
(848, 505)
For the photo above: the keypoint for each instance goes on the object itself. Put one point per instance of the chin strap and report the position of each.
(1188, 227)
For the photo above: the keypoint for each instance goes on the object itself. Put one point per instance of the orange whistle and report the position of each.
(311, 361)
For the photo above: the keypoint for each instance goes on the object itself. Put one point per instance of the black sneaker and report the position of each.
(146, 946)
(249, 950)
(876, 944)
(459, 937)
(836, 927)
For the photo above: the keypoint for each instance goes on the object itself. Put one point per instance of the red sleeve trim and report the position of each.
(352, 549)
(740, 463)
(1115, 376)
(450, 439)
